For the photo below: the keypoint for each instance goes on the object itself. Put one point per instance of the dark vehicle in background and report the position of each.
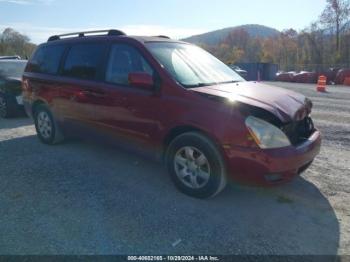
(240, 71)
(342, 74)
(11, 72)
(173, 101)
(331, 75)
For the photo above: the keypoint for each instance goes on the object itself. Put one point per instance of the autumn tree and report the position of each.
(14, 43)
(322, 45)
(287, 47)
(311, 43)
(336, 17)
(268, 50)
(238, 38)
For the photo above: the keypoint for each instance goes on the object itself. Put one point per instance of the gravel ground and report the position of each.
(85, 198)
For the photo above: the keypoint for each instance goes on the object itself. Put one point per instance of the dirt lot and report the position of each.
(85, 198)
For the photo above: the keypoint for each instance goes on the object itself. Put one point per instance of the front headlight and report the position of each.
(265, 134)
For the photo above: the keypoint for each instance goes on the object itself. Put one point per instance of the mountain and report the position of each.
(215, 37)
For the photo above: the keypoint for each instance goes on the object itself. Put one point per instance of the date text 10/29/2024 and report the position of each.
(173, 258)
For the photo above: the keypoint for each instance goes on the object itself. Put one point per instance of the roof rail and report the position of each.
(163, 36)
(110, 32)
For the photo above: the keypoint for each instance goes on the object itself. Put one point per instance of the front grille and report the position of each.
(299, 131)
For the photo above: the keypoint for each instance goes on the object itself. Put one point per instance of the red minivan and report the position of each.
(173, 101)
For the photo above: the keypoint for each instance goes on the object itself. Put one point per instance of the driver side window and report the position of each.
(123, 60)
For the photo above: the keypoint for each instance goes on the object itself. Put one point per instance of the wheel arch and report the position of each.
(179, 130)
(36, 104)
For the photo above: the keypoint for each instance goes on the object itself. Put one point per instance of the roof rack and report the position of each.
(110, 32)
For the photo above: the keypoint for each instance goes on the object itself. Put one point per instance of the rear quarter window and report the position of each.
(46, 59)
(84, 61)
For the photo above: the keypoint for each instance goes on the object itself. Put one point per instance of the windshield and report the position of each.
(12, 68)
(191, 66)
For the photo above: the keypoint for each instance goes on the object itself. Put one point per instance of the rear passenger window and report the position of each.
(83, 61)
(123, 60)
(46, 59)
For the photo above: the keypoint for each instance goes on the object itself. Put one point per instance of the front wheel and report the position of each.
(196, 165)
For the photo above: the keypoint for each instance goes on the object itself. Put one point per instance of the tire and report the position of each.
(6, 110)
(196, 165)
(46, 127)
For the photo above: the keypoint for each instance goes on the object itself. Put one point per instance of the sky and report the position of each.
(39, 19)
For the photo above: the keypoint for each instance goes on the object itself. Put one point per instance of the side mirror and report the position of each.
(141, 80)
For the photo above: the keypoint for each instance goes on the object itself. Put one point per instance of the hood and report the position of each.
(286, 105)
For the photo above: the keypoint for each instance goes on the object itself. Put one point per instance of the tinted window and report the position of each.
(123, 60)
(83, 61)
(47, 59)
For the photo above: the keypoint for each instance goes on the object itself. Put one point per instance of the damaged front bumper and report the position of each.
(256, 166)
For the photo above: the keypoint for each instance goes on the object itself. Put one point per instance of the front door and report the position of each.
(130, 113)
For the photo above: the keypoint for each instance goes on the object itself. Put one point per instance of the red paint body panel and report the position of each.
(281, 102)
(144, 118)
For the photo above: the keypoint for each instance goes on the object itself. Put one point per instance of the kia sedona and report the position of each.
(174, 102)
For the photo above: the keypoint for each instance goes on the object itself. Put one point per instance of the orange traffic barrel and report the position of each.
(321, 83)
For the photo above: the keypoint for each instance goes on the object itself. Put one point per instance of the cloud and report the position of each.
(39, 34)
(27, 2)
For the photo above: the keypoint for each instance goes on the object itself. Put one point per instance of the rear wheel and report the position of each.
(196, 165)
(46, 126)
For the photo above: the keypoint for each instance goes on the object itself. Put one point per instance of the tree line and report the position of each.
(322, 45)
(14, 43)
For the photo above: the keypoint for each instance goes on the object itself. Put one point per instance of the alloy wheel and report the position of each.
(192, 167)
(44, 124)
